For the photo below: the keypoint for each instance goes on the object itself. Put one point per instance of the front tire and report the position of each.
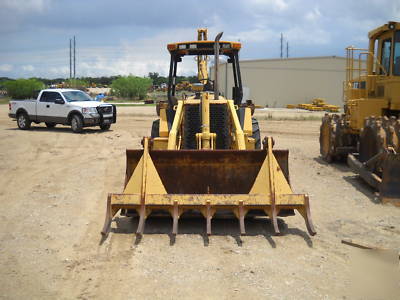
(23, 121)
(76, 124)
(105, 126)
(326, 138)
(50, 124)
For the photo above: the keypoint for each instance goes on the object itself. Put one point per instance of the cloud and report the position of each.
(313, 15)
(130, 37)
(28, 68)
(138, 58)
(253, 35)
(25, 5)
(6, 67)
(278, 5)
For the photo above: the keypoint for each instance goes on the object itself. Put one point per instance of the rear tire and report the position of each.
(105, 126)
(76, 124)
(155, 129)
(256, 133)
(23, 121)
(50, 124)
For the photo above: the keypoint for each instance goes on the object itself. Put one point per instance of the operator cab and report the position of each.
(385, 44)
(201, 49)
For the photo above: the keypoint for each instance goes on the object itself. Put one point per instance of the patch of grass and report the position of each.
(4, 100)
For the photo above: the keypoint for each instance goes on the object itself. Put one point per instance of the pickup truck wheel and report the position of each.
(105, 126)
(50, 124)
(76, 124)
(23, 121)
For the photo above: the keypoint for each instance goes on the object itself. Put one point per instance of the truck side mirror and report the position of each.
(59, 101)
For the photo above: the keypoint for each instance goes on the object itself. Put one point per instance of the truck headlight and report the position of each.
(89, 110)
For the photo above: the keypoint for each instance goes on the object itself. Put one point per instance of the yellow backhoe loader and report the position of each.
(368, 133)
(205, 154)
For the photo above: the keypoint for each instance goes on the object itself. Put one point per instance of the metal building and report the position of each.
(278, 82)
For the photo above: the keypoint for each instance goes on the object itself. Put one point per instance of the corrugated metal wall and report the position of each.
(277, 82)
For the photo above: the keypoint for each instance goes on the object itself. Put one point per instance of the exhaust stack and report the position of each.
(216, 62)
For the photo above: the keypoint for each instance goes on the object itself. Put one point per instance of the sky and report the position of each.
(123, 37)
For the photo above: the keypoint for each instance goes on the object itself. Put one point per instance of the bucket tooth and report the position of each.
(241, 218)
(175, 218)
(208, 212)
(109, 216)
(142, 220)
(305, 212)
(272, 214)
(208, 217)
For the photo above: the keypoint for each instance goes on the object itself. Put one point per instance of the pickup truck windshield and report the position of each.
(72, 96)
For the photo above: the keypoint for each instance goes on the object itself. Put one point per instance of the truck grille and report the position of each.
(104, 109)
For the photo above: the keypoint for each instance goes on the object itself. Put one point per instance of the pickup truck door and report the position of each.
(48, 111)
(42, 107)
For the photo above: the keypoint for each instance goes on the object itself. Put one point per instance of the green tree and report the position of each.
(76, 83)
(23, 88)
(131, 87)
(157, 79)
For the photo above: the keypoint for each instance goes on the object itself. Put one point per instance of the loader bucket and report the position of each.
(206, 172)
(390, 186)
(207, 181)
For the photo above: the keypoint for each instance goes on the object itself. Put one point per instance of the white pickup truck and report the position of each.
(63, 106)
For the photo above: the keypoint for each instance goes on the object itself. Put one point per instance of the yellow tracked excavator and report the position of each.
(368, 133)
(205, 154)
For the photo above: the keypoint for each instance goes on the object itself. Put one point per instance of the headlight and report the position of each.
(89, 110)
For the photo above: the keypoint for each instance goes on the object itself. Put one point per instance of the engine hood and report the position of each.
(88, 104)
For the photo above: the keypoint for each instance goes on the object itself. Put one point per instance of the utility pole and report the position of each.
(281, 45)
(70, 58)
(287, 49)
(74, 59)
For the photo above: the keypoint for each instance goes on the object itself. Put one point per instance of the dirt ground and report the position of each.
(53, 189)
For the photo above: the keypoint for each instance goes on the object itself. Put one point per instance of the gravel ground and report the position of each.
(53, 189)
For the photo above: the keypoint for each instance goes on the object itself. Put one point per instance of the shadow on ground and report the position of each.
(339, 165)
(355, 180)
(361, 186)
(86, 130)
(197, 225)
